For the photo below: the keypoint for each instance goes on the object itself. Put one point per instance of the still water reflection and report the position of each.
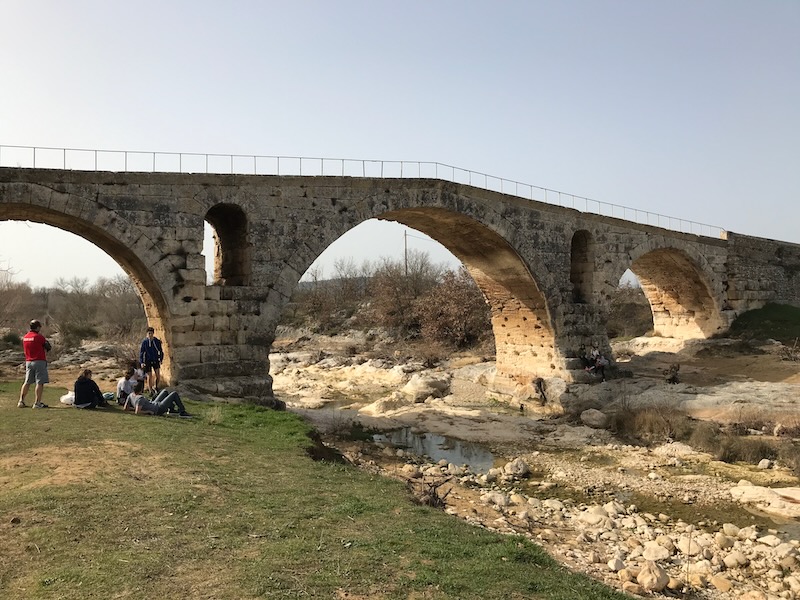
(438, 447)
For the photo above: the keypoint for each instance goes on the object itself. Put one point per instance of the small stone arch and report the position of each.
(232, 248)
(581, 273)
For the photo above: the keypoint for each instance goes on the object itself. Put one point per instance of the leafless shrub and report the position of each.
(394, 288)
(428, 492)
(454, 312)
(750, 419)
(431, 353)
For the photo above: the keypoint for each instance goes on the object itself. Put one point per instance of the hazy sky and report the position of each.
(687, 108)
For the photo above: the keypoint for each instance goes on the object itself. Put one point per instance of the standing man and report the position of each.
(36, 348)
(151, 356)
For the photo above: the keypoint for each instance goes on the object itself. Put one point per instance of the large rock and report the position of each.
(426, 385)
(594, 418)
(517, 468)
(779, 501)
(652, 578)
(386, 405)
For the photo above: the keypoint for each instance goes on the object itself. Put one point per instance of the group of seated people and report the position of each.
(593, 362)
(129, 394)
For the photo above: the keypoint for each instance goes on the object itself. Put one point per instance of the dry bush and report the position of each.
(789, 455)
(705, 436)
(787, 428)
(732, 449)
(748, 419)
(119, 309)
(214, 415)
(650, 423)
(430, 353)
(395, 287)
(18, 303)
(454, 312)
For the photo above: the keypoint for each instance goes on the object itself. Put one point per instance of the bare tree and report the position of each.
(120, 312)
(454, 312)
(16, 298)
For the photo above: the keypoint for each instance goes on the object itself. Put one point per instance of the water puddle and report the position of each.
(439, 447)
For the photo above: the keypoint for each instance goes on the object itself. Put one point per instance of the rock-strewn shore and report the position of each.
(636, 551)
(689, 536)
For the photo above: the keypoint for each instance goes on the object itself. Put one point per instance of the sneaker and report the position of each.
(21, 404)
(185, 415)
(39, 405)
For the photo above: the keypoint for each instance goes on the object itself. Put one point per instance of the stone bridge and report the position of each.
(547, 272)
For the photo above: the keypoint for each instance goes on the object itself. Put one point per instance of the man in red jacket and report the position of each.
(36, 348)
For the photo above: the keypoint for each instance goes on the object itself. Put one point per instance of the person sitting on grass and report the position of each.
(165, 402)
(125, 385)
(87, 394)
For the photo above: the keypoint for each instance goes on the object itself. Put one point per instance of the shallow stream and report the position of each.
(438, 447)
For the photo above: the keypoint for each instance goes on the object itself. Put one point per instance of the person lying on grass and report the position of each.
(165, 402)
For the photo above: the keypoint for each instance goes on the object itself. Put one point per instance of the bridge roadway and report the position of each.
(547, 272)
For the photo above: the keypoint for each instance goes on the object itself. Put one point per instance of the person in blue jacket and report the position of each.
(151, 356)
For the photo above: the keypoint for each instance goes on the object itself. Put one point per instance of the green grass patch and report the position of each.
(106, 504)
(773, 321)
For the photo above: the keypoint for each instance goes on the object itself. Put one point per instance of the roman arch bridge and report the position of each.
(546, 271)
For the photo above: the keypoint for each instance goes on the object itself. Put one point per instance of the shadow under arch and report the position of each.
(680, 297)
(582, 268)
(232, 250)
(521, 321)
(112, 242)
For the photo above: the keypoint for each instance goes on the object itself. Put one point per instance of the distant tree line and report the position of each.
(412, 298)
(73, 309)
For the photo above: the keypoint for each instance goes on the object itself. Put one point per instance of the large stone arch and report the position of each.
(110, 232)
(521, 322)
(523, 327)
(681, 288)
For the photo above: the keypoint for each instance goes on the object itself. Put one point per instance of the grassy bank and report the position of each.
(105, 504)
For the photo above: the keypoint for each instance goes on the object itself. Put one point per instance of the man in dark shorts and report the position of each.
(36, 348)
(150, 357)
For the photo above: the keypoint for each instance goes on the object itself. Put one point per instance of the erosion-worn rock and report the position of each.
(654, 551)
(721, 582)
(652, 577)
(779, 501)
(386, 405)
(496, 499)
(594, 418)
(411, 471)
(425, 385)
(517, 467)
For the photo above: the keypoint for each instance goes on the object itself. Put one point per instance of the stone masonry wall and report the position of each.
(217, 337)
(761, 270)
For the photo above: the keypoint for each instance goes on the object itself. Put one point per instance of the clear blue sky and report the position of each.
(685, 108)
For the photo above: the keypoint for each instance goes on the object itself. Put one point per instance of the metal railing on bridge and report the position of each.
(192, 162)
